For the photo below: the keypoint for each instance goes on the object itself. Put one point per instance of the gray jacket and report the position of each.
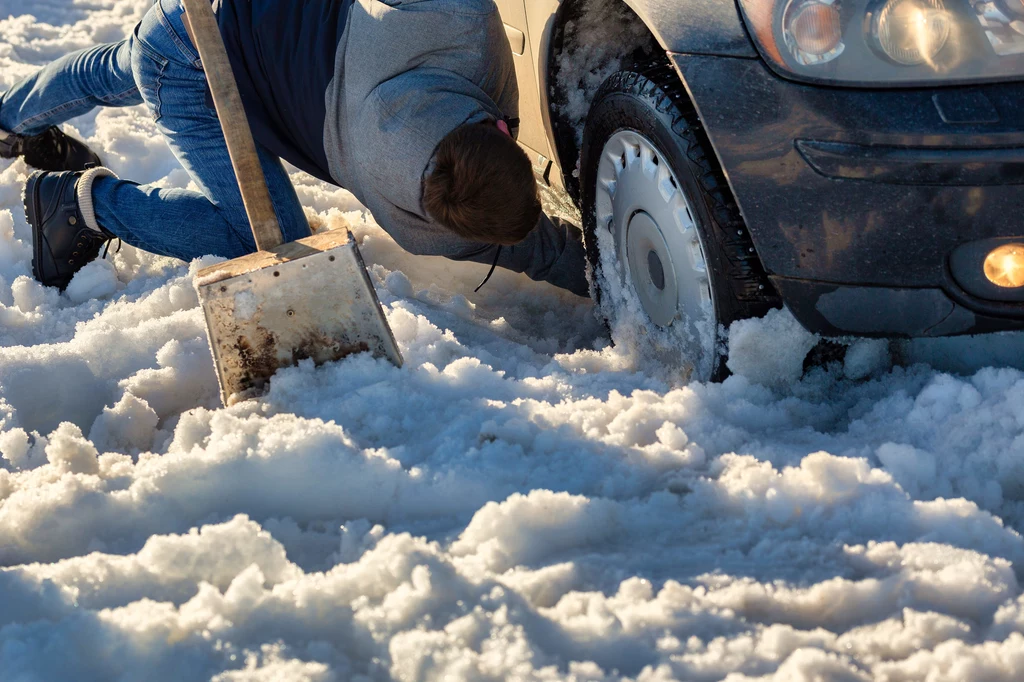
(407, 73)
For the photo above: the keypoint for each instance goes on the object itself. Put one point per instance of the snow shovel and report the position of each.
(310, 299)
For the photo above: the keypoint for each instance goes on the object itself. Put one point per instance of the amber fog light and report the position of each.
(1004, 266)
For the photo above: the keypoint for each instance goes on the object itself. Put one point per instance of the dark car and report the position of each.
(860, 161)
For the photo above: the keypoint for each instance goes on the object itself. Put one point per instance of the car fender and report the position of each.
(706, 27)
(711, 27)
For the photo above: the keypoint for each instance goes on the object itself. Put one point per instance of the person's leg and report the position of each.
(183, 223)
(69, 87)
(31, 111)
(186, 224)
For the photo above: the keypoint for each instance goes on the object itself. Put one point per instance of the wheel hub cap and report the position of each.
(658, 250)
(651, 268)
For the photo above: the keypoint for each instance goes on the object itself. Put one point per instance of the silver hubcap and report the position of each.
(658, 249)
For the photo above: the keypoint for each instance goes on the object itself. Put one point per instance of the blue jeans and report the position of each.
(159, 66)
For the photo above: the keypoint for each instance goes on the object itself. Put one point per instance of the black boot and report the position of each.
(59, 209)
(50, 150)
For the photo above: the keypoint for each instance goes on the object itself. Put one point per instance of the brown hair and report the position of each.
(482, 187)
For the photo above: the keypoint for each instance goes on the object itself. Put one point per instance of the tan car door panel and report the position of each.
(532, 132)
(540, 18)
(516, 39)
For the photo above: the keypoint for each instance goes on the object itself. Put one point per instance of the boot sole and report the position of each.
(30, 202)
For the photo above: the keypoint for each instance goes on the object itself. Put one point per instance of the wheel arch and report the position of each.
(689, 26)
(696, 26)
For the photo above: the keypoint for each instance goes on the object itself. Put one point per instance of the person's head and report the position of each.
(482, 186)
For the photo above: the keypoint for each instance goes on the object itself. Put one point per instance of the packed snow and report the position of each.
(597, 44)
(523, 500)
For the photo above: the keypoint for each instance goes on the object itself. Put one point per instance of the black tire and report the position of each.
(650, 100)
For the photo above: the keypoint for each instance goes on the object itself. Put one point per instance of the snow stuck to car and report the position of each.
(594, 45)
(520, 501)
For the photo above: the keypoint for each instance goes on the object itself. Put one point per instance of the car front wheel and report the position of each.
(669, 252)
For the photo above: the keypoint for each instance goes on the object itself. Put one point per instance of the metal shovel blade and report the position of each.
(308, 299)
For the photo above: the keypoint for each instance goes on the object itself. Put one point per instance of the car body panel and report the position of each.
(834, 309)
(711, 27)
(854, 230)
(532, 132)
(856, 199)
(694, 26)
(888, 205)
(541, 17)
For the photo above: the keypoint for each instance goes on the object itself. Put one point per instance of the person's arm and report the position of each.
(553, 252)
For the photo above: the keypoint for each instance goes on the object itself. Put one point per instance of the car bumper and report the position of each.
(863, 203)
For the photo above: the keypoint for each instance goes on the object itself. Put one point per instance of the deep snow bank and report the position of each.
(518, 502)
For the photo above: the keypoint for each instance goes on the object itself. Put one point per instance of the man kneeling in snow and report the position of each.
(405, 103)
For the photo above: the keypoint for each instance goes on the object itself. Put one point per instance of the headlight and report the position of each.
(812, 31)
(912, 32)
(890, 42)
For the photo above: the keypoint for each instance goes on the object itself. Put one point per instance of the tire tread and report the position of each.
(751, 292)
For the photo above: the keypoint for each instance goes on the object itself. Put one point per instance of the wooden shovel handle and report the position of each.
(205, 34)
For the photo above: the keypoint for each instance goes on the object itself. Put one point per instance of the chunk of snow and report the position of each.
(97, 279)
(770, 350)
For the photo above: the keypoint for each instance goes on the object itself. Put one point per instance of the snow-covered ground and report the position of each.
(520, 501)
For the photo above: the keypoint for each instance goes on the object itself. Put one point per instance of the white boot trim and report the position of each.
(84, 192)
